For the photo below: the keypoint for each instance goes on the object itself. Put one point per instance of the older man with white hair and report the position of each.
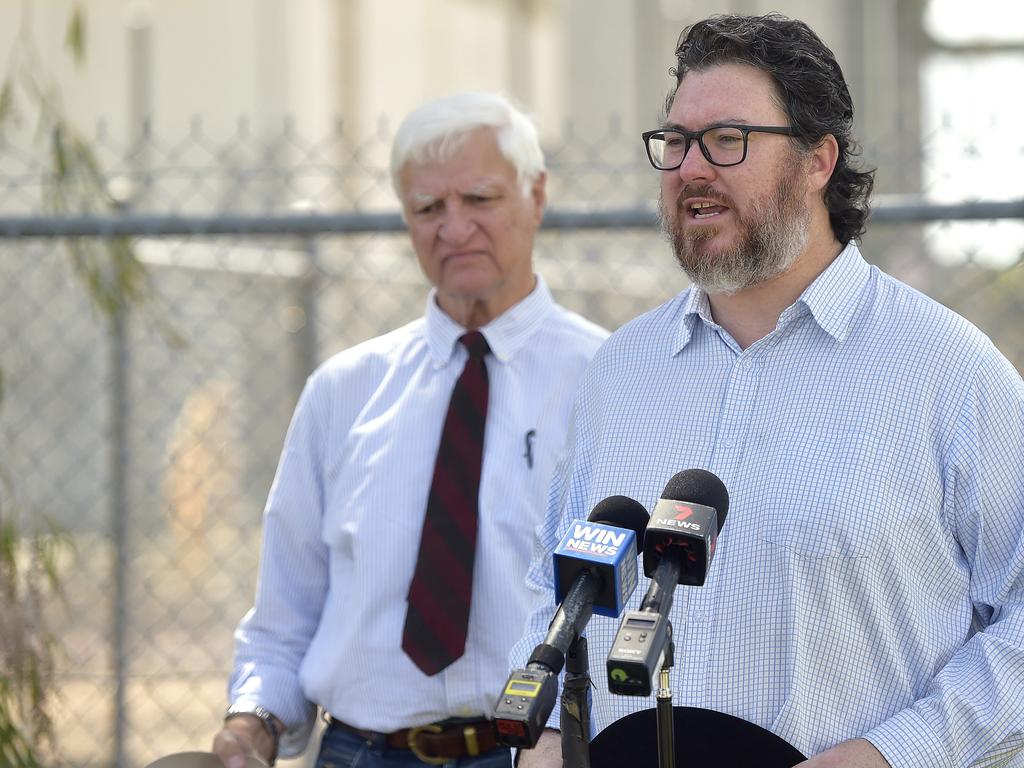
(401, 520)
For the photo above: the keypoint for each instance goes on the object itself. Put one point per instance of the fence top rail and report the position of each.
(887, 209)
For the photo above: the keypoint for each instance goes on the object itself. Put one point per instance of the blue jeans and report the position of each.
(341, 749)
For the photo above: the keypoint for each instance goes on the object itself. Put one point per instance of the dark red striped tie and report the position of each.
(439, 595)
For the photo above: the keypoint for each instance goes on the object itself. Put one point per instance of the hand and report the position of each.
(547, 753)
(242, 735)
(856, 753)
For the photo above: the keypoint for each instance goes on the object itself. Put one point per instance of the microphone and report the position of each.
(595, 571)
(679, 544)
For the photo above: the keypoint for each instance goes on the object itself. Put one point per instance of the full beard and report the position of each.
(771, 238)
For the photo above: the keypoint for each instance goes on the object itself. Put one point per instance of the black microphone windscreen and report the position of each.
(699, 487)
(622, 512)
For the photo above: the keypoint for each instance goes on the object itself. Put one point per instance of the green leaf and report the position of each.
(74, 38)
(60, 156)
(8, 545)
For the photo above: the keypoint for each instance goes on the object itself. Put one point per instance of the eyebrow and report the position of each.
(484, 188)
(419, 198)
(717, 123)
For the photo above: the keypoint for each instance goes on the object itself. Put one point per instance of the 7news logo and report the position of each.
(681, 520)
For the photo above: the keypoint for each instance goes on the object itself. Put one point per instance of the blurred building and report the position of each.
(578, 63)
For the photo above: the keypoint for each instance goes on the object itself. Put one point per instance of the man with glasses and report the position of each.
(866, 601)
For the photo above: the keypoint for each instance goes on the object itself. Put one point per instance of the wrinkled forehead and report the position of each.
(424, 190)
(477, 169)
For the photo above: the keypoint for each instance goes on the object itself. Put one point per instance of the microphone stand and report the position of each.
(666, 720)
(575, 711)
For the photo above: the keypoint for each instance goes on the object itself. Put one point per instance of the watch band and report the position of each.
(266, 719)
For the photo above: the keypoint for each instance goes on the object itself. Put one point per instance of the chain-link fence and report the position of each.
(152, 435)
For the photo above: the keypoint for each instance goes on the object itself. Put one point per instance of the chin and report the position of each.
(709, 243)
(469, 290)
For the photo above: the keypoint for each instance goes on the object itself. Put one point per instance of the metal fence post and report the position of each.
(309, 289)
(119, 439)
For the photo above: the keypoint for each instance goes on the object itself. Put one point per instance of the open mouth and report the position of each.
(704, 210)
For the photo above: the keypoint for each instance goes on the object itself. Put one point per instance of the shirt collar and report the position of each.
(694, 306)
(831, 299)
(834, 295)
(506, 334)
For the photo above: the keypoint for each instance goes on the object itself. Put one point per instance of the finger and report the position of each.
(231, 748)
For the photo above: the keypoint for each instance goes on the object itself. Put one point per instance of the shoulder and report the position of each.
(933, 348)
(631, 351)
(564, 322)
(570, 331)
(365, 364)
(653, 331)
(921, 326)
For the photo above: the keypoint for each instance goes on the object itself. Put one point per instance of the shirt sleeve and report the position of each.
(971, 712)
(271, 641)
(566, 502)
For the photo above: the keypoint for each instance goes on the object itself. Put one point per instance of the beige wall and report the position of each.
(313, 59)
(602, 65)
(215, 59)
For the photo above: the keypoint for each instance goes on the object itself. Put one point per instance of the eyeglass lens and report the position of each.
(724, 145)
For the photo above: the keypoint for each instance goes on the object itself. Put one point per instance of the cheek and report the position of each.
(516, 233)
(422, 242)
(670, 186)
(669, 195)
(422, 237)
(500, 228)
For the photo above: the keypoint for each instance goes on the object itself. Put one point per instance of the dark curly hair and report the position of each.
(811, 89)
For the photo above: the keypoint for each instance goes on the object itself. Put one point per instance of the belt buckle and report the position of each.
(424, 758)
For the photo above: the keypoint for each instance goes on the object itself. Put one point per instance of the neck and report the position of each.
(752, 313)
(470, 314)
(474, 312)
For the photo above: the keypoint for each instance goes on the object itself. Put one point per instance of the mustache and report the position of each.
(703, 190)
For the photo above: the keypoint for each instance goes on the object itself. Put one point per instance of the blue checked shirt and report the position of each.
(342, 524)
(869, 578)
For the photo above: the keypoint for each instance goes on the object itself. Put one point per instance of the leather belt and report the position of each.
(435, 743)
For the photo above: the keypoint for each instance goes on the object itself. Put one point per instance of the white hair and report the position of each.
(435, 131)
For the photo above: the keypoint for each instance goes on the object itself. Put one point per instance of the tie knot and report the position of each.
(475, 344)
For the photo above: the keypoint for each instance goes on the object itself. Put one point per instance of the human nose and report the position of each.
(457, 225)
(695, 166)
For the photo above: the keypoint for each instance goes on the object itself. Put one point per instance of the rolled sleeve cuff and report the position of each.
(907, 741)
(283, 698)
(294, 741)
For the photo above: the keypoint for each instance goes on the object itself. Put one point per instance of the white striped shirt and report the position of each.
(342, 524)
(869, 579)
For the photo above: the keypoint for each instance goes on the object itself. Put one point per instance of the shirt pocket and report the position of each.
(829, 501)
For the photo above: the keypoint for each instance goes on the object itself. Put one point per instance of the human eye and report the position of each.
(481, 197)
(427, 208)
(726, 138)
(673, 140)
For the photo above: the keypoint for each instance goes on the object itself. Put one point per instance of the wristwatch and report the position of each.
(265, 718)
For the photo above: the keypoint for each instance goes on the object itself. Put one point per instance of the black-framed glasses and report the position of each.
(722, 145)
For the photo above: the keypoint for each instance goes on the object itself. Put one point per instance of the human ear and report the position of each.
(823, 161)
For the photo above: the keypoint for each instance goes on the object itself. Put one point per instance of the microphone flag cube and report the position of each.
(690, 530)
(605, 549)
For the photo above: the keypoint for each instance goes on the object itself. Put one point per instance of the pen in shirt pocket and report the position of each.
(529, 447)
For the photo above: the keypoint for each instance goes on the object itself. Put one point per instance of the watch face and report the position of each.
(199, 760)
